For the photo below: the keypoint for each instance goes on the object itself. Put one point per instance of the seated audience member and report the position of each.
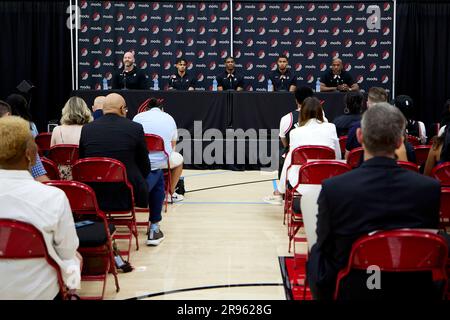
(290, 121)
(312, 130)
(413, 127)
(97, 108)
(19, 107)
(156, 121)
(74, 115)
(115, 136)
(352, 113)
(439, 152)
(45, 207)
(375, 95)
(379, 195)
(37, 171)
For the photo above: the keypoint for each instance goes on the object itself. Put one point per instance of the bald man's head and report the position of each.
(115, 103)
(98, 103)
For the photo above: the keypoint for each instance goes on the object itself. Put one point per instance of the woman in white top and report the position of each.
(74, 115)
(312, 130)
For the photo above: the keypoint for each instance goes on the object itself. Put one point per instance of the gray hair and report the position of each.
(76, 111)
(382, 127)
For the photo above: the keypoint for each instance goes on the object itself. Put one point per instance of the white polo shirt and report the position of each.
(156, 121)
(47, 208)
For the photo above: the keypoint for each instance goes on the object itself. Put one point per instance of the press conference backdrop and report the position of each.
(309, 33)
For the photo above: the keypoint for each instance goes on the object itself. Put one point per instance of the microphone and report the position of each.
(124, 75)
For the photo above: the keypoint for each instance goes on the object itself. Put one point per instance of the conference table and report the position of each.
(224, 118)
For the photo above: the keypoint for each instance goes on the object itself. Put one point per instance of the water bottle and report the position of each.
(155, 84)
(214, 84)
(105, 84)
(318, 85)
(269, 85)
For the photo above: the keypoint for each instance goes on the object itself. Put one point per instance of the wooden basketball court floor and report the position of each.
(222, 242)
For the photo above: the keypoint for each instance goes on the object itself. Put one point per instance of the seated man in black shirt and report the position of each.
(337, 79)
(282, 78)
(181, 80)
(230, 80)
(130, 77)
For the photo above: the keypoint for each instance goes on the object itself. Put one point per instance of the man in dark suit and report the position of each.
(115, 136)
(377, 196)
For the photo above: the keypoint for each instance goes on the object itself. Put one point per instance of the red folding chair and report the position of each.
(442, 173)
(408, 165)
(414, 141)
(300, 156)
(398, 251)
(95, 239)
(21, 240)
(43, 142)
(342, 144)
(312, 173)
(156, 144)
(354, 157)
(64, 155)
(99, 172)
(421, 152)
(52, 169)
(444, 214)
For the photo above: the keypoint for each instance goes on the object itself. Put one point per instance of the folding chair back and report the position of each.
(108, 178)
(316, 171)
(414, 141)
(21, 240)
(52, 169)
(399, 251)
(300, 155)
(154, 144)
(64, 154)
(421, 152)
(445, 209)
(442, 173)
(98, 258)
(354, 157)
(408, 165)
(43, 141)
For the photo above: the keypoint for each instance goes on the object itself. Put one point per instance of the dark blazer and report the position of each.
(379, 195)
(122, 139)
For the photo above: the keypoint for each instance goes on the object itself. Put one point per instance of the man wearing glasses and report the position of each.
(115, 136)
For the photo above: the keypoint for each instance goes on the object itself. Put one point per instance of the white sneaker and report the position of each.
(175, 197)
(274, 199)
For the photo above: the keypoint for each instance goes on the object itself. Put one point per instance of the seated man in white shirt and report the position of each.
(156, 121)
(45, 207)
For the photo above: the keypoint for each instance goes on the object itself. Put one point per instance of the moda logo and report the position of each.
(143, 64)
(155, 53)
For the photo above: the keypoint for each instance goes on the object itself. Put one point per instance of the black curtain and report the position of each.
(423, 56)
(35, 45)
